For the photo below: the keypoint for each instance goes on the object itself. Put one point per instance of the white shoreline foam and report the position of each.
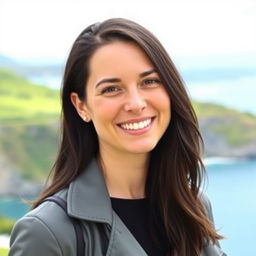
(4, 241)
(220, 160)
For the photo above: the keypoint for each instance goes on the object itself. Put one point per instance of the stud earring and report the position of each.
(84, 118)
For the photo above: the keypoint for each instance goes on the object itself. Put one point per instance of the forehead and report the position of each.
(118, 58)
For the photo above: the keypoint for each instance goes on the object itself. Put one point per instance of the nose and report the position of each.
(135, 102)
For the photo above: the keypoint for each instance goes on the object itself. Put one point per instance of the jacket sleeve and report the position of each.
(211, 249)
(208, 208)
(31, 236)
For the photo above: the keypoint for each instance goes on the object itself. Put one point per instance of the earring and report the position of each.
(84, 118)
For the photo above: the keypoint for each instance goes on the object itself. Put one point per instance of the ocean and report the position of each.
(231, 187)
(232, 190)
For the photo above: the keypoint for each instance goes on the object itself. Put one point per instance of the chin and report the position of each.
(143, 148)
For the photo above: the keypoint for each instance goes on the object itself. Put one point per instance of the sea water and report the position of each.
(231, 188)
(232, 191)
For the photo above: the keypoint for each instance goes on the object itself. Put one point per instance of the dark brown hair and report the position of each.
(175, 170)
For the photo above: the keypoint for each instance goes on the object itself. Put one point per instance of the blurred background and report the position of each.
(213, 44)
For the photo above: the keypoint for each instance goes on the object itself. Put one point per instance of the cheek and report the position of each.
(104, 110)
(163, 101)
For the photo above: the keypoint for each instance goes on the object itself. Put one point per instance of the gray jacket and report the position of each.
(47, 231)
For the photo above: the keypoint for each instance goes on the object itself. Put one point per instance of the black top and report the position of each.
(135, 215)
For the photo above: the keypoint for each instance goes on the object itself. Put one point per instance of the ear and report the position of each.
(80, 106)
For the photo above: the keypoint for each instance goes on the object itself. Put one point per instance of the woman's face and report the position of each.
(126, 100)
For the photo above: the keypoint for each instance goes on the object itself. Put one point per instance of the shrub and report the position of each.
(6, 225)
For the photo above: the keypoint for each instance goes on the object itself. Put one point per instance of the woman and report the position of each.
(129, 164)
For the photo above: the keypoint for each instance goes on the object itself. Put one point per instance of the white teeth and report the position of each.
(136, 126)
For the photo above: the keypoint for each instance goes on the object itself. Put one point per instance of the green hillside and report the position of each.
(23, 101)
(28, 125)
(236, 127)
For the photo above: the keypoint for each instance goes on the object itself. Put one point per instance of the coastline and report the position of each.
(220, 160)
(225, 160)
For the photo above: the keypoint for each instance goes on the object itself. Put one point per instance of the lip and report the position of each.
(138, 131)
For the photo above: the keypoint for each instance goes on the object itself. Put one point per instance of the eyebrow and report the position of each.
(146, 73)
(108, 80)
(117, 80)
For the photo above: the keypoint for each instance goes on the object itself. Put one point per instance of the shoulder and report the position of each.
(210, 249)
(46, 230)
(207, 205)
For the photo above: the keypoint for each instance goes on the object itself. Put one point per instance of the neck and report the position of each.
(125, 174)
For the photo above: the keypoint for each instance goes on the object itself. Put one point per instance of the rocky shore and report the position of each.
(13, 184)
(217, 145)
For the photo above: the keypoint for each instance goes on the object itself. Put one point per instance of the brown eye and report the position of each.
(151, 82)
(110, 90)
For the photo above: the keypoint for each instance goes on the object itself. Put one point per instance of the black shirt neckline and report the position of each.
(135, 215)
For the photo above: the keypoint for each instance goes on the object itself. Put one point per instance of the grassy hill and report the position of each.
(29, 127)
(23, 102)
(237, 128)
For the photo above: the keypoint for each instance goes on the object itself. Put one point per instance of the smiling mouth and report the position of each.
(137, 125)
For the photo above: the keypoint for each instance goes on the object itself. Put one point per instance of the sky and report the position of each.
(197, 34)
(46, 29)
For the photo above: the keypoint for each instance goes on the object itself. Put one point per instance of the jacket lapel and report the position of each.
(88, 199)
(122, 242)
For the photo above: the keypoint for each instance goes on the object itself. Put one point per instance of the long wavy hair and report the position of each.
(175, 170)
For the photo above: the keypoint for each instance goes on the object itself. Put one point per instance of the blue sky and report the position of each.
(200, 35)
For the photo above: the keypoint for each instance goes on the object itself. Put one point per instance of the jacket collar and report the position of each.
(88, 197)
